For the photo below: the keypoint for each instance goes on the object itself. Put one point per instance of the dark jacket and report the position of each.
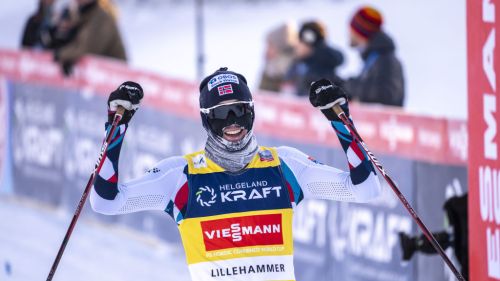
(322, 63)
(36, 25)
(381, 80)
(97, 34)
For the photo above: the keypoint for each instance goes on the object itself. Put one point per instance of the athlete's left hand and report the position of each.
(323, 94)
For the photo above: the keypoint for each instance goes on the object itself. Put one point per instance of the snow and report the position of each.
(160, 36)
(30, 235)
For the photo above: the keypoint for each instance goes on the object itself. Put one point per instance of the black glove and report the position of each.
(324, 95)
(128, 95)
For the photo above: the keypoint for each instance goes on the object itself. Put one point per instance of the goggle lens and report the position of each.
(222, 112)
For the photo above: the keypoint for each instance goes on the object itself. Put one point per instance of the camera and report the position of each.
(457, 237)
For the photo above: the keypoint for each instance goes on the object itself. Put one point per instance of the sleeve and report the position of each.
(337, 58)
(152, 191)
(351, 88)
(388, 81)
(311, 179)
(92, 37)
(76, 48)
(30, 33)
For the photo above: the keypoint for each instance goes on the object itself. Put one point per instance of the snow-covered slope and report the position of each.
(30, 235)
(160, 36)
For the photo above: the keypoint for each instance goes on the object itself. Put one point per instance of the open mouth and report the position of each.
(234, 132)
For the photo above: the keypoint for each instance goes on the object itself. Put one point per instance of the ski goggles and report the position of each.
(221, 111)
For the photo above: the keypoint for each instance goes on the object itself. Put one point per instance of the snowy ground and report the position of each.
(160, 36)
(30, 235)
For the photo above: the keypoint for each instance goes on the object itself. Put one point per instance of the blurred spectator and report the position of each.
(64, 29)
(381, 79)
(38, 24)
(97, 34)
(281, 43)
(315, 59)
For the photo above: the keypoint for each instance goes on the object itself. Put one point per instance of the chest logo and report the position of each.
(235, 232)
(199, 161)
(205, 196)
(266, 192)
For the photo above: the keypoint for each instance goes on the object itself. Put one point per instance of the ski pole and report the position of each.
(340, 113)
(118, 116)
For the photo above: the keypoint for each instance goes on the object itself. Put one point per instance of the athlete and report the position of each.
(233, 201)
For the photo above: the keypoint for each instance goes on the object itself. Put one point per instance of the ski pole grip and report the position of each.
(120, 110)
(337, 109)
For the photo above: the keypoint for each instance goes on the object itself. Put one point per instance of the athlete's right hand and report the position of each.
(128, 95)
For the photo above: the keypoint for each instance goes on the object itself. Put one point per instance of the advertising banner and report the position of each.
(37, 140)
(363, 238)
(83, 115)
(5, 185)
(483, 19)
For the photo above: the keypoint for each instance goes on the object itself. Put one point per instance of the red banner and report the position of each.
(484, 119)
(386, 130)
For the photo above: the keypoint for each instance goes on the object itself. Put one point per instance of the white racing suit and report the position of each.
(235, 226)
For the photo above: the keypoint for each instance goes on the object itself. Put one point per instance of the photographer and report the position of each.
(456, 236)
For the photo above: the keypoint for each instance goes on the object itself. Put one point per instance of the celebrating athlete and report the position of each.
(233, 201)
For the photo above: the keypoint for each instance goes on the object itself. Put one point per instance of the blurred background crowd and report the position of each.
(293, 58)
(81, 27)
(295, 51)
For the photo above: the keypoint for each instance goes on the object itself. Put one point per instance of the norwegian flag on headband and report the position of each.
(225, 89)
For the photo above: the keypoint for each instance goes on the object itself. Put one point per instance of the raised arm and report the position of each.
(315, 180)
(152, 191)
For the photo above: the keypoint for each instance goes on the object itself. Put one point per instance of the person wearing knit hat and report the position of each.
(233, 201)
(312, 33)
(366, 22)
(315, 59)
(381, 79)
(227, 114)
